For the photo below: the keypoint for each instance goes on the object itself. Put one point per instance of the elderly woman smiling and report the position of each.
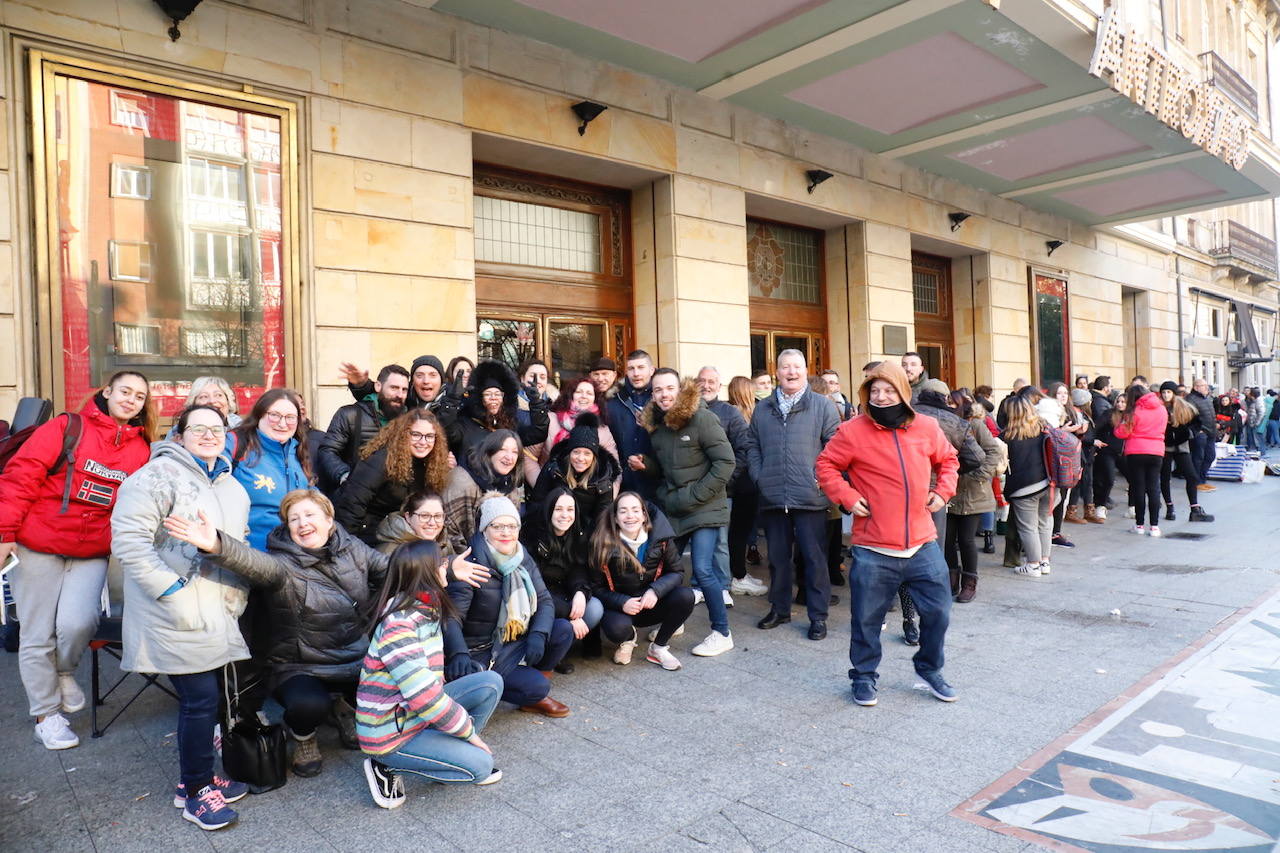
(319, 581)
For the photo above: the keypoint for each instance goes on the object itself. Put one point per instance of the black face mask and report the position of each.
(890, 417)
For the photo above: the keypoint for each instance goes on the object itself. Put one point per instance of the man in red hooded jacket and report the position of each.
(878, 467)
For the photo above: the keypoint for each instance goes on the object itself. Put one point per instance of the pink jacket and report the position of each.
(1146, 434)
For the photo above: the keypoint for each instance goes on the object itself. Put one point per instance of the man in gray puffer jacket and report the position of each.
(788, 431)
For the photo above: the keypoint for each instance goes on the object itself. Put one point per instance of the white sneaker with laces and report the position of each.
(653, 632)
(1100, 512)
(748, 586)
(1154, 531)
(1032, 569)
(1138, 529)
(661, 655)
(55, 733)
(728, 599)
(1045, 568)
(715, 644)
(72, 696)
(698, 597)
(622, 654)
(1129, 513)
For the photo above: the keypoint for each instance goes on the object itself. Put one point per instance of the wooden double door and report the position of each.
(934, 320)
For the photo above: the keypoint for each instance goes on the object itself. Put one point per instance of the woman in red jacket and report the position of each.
(1142, 429)
(57, 518)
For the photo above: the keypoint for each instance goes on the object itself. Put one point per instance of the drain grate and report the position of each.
(1184, 535)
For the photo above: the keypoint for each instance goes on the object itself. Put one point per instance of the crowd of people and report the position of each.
(459, 534)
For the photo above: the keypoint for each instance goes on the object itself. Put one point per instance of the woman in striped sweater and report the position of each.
(408, 720)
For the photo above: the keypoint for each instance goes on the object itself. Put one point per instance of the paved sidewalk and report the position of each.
(759, 749)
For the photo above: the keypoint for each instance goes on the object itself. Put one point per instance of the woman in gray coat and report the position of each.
(180, 611)
(973, 497)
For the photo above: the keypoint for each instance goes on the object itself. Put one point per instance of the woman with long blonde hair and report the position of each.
(744, 505)
(1027, 485)
(1178, 436)
(408, 455)
(742, 396)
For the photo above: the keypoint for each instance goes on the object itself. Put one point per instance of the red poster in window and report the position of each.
(169, 219)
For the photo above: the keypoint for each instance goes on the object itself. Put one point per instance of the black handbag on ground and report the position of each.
(252, 752)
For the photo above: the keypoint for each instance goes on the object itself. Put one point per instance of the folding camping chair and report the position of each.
(108, 640)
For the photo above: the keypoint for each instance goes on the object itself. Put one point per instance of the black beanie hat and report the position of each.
(1169, 385)
(429, 361)
(585, 433)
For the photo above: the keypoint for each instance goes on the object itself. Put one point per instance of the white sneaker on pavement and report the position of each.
(728, 599)
(748, 586)
(72, 696)
(1100, 512)
(1154, 531)
(653, 632)
(715, 644)
(622, 655)
(1045, 568)
(661, 655)
(55, 733)
(698, 597)
(1138, 529)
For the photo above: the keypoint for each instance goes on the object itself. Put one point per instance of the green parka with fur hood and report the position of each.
(691, 460)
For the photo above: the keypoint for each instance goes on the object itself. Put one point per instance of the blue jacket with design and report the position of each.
(267, 476)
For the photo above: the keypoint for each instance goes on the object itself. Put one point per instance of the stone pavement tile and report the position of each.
(811, 842)
(491, 825)
(739, 827)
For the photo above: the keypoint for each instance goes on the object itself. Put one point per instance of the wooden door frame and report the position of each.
(927, 333)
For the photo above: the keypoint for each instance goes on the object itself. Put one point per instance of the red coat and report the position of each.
(1146, 435)
(31, 499)
(891, 470)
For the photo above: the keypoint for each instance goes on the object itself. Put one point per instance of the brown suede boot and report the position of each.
(1073, 514)
(955, 582)
(1091, 514)
(968, 588)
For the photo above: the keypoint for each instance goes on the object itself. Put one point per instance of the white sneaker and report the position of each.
(55, 733)
(622, 655)
(1100, 512)
(661, 655)
(653, 633)
(1032, 569)
(1154, 531)
(1129, 513)
(698, 597)
(728, 599)
(748, 586)
(715, 644)
(72, 696)
(1044, 567)
(1138, 529)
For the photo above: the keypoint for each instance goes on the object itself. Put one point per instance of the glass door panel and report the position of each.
(760, 351)
(934, 359)
(797, 342)
(575, 345)
(510, 340)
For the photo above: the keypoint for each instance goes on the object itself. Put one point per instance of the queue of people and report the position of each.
(461, 531)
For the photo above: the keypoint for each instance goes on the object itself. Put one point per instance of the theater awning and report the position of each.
(999, 99)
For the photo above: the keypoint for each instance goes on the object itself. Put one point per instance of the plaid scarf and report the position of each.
(786, 403)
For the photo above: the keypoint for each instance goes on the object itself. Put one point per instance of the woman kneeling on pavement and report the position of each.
(407, 718)
(639, 579)
(508, 624)
(319, 580)
(553, 536)
(181, 612)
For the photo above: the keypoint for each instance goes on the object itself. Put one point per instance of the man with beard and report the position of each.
(356, 423)
(426, 382)
(632, 439)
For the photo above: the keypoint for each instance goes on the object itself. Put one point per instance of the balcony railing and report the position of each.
(1238, 245)
(1232, 84)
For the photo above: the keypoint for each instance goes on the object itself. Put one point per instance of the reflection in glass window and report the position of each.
(783, 262)
(190, 274)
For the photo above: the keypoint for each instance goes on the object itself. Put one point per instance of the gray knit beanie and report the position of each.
(493, 508)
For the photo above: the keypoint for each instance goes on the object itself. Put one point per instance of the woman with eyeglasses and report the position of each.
(270, 458)
(408, 455)
(180, 611)
(421, 519)
(211, 391)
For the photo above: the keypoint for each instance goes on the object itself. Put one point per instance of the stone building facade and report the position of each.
(295, 183)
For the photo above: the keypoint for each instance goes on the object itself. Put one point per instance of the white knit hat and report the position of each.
(493, 508)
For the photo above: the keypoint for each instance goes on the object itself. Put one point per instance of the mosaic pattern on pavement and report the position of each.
(1187, 760)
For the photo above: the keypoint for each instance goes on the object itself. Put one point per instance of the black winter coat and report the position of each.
(317, 602)
(562, 559)
(617, 581)
(591, 498)
(369, 496)
(351, 428)
(735, 426)
(479, 606)
(1207, 421)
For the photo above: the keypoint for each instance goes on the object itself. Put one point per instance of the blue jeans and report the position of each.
(439, 757)
(1251, 438)
(198, 696)
(722, 557)
(524, 683)
(873, 581)
(1273, 432)
(702, 550)
(987, 520)
(1203, 451)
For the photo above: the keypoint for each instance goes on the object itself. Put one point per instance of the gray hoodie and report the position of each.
(195, 628)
